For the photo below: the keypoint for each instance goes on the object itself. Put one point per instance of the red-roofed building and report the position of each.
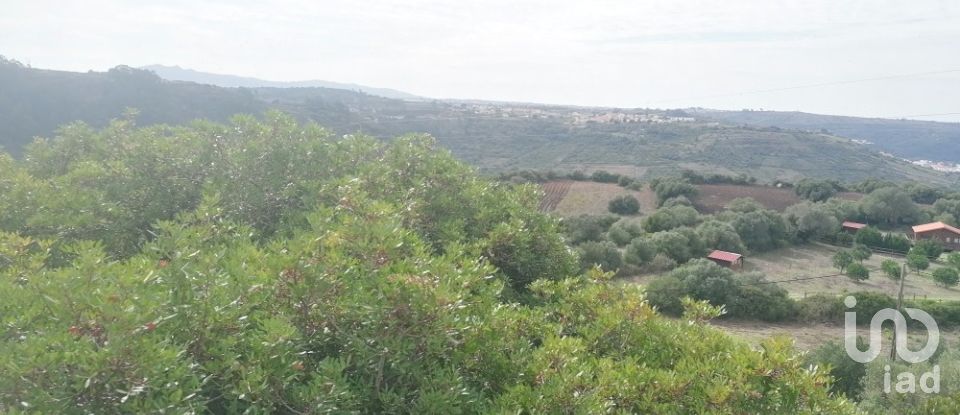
(726, 259)
(852, 227)
(947, 235)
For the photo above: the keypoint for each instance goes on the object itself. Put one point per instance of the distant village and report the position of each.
(586, 116)
(938, 165)
(580, 117)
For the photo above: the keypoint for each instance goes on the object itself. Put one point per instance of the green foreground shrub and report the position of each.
(847, 373)
(309, 274)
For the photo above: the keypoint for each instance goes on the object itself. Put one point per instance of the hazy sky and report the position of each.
(633, 53)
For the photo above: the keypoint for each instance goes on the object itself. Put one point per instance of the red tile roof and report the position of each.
(854, 225)
(724, 256)
(927, 227)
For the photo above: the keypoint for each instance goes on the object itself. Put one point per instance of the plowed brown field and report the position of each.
(554, 192)
(714, 197)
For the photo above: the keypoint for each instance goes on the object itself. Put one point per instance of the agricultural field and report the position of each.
(814, 261)
(591, 198)
(572, 198)
(714, 197)
(553, 193)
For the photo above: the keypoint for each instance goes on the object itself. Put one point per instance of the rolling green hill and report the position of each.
(35, 102)
(494, 137)
(910, 139)
(546, 137)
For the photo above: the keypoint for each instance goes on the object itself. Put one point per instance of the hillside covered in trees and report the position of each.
(494, 137)
(35, 102)
(272, 267)
(176, 73)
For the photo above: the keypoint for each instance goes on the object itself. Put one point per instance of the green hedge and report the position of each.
(823, 308)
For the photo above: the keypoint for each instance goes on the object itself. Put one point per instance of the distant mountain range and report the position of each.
(176, 73)
(494, 136)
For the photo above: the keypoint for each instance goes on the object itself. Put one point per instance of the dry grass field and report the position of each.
(813, 260)
(572, 198)
(591, 198)
(810, 336)
(714, 197)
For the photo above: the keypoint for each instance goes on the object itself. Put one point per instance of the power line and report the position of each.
(792, 280)
(765, 282)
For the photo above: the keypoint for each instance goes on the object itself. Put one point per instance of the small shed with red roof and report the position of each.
(727, 259)
(946, 235)
(852, 227)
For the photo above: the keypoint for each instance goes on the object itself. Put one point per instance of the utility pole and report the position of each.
(903, 276)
